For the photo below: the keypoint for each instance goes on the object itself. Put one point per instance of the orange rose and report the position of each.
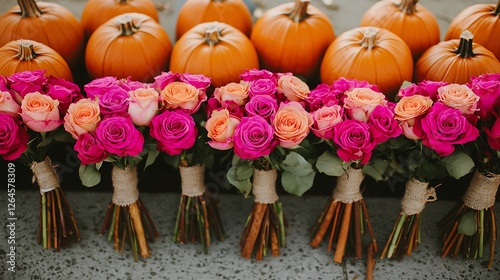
(40, 112)
(220, 127)
(458, 96)
(235, 92)
(180, 95)
(293, 88)
(82, 117)
(360, 102)
(409, 108)
(292, 124)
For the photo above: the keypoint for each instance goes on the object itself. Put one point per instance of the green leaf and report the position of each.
(89, 175)
(458, 164)
(172, 161)
(296, 164)
(243, 172)
(296, 185)
(244, 186)
(62, 135)
(45, 142)
(467, 225)
(330, 164)
(151, 157)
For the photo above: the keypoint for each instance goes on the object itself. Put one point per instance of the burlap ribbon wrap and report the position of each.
(482, 190)
(417, 194)
(192, 180)
(45, 175)
(264, 186)
(125, 191)
(348, 186)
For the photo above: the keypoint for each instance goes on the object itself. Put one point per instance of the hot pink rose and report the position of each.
(261, 105)
(291, 124)
(26, 82)
(118, 136)
(487, 87)
(232, 92)
(256, 74)
(322, 95)
(444, 127)
(424, 88)
(196, 80)
(88, 149)
(100, 86)
(143, 105)
(493, 133)
(220, 127)
(40, 112)
(128, 84)
(82, 117)
(325, 119)
(165, 78)
(262, 87)
(354, 141)
(293, 88)
(8, 105)
(383, 125)
(114, 102)
(13, 138)
(174, 131)
(254, 138)
(182, 96)
(64, 91)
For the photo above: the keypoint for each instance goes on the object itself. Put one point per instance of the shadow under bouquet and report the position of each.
(471, 224)
(437, 121)
(109, 126)
(262, 123)
(31, 109)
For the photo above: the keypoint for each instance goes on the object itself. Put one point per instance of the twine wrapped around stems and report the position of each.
(45, 175)
(125, 185)
(482, 190)
(192, 180)
(264, 186)
(347, 189)
(417, 194)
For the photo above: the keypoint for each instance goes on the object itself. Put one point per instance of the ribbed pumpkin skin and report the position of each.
(140, 56)
(232, 12)
(419, 30)
(56, 27)
(480, 19)
(223, 62)
(285, 45)
(387, 65)
(97, 12)
(46, 59)
(441, 63)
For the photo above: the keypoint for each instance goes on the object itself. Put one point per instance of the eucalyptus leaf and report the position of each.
(243, 172)
(89, 175)
(467, 225)
(244, 186)
(296, 164)
(458, 164)
(296, 185)
(45, 142)
(330, 164)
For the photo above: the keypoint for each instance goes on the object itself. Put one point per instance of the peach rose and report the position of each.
(143, 105)
(82, 117)
(408, 109)
(291, 124)
(235, 92)
(8, 105)
(360, 102)
(325, 119)
(220, 127)
(460, 97)
(293, 88)
(180, 95)
(40, 112)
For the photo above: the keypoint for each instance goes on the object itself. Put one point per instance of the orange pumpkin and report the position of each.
(416, 25)
(456, 61)
(129, 45)
(292, 37)
(483, 20)
(216, 50)
(232, 12)
(48, 23)
(371, 54)
(97, 12)
(27, 55)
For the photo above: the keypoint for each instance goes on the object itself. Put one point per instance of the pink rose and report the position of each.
(100, 86)
(383, 125)
(254, 138)
(3, 84)
(360, 102)
(262, 87)
(322, 95)
(444, 127)
(165, 78)
(460, 97)
(129, 85)
(261, 105)
(82, 117)
(183, 96)
(487, 87)
(256, 74)
(174, 131)
(143, 105)
(493, 134)
(40, 112)
(8, 105)
(291, 124)
(118, 136)
(13, 138)
(354, 141)
(220, 127)
(232, 93)
(325, 118)
(114, 102)
(293, 88)
(64, 91)
(342, 85)
(196, 80)
(88, 149)
(26, 82)
(424, 88)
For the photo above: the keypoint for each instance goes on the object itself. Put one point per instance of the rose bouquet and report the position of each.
(262, 120)
(31, 109)
(109, 126)
(352, 118)
(179, 133)
(468, 227)
(437, 121)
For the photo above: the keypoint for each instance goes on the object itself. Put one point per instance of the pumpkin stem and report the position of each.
(369, 37)
(212, 35)
(29, 8)
(123, 2)
(26, 51)
(299, 11)
(127, 26)
(464, 49)
(497, 9)
(408, 6)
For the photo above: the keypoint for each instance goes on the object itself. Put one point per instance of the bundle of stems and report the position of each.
(198, 218)
(58, 225)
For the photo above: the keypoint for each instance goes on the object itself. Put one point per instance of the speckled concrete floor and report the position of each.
(94, 257)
